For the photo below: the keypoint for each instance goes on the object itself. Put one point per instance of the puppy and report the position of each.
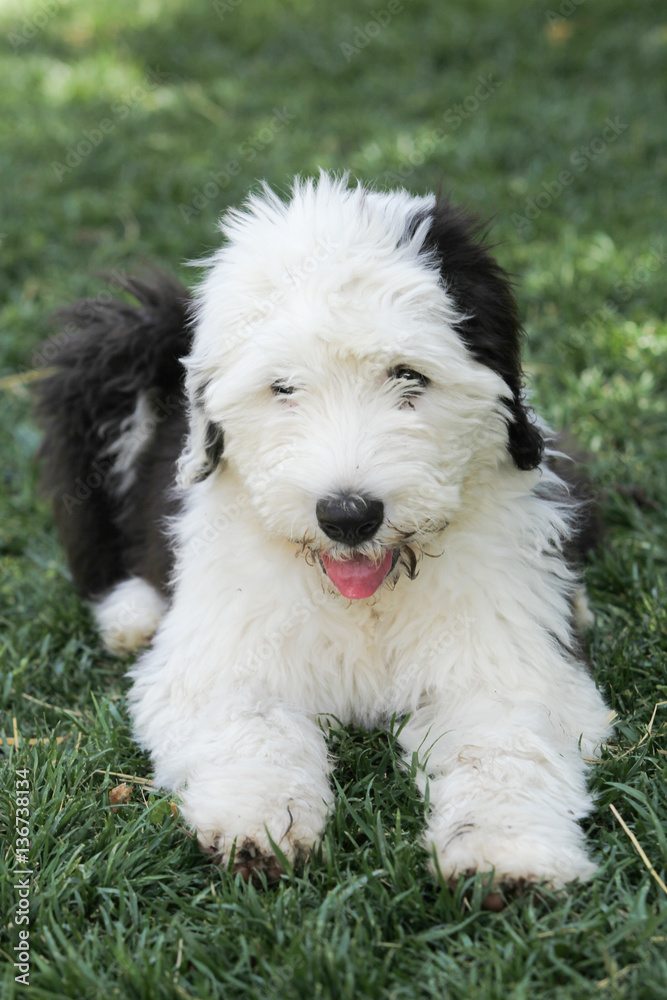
(320, 485)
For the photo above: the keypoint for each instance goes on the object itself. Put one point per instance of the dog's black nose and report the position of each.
(349, 518)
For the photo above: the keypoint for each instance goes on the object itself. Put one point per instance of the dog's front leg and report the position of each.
(507, 787)
(249, 772)
(261, 776)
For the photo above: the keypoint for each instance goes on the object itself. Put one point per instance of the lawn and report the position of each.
(126, 129)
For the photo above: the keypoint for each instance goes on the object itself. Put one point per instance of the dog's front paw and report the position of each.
(515, 858)
(239, 817)
(250, 861)
(294, 830)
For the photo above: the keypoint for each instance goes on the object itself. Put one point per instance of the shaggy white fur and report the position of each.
(128, 617)
(327, 349)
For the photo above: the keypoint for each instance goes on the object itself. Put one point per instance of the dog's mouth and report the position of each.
(359, 576)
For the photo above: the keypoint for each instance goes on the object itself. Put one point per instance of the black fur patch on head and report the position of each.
(214, 445)
(215, 441)
(482, 292)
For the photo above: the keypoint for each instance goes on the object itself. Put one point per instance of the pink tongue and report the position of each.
(357, 577)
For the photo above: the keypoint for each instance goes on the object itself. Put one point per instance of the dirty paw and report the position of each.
(514, 861)
(248, 861)
(499, 894)
(258, 839)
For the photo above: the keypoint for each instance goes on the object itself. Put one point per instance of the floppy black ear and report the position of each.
(204, 447)
(482, 292)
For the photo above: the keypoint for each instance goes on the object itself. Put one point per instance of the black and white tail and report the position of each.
(113, 411)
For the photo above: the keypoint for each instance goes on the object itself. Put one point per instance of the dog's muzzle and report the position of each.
(349, 518)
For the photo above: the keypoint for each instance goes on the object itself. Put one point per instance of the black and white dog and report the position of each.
(318, 489)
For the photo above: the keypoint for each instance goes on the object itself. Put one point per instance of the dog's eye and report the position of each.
(414, 380)
(280, 389)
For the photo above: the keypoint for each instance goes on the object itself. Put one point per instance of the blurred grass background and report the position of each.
(125, 130)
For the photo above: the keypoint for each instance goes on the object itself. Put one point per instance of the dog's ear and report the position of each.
(204, 447)
(482, 292)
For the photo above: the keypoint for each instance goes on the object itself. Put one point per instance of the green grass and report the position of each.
(123, 905)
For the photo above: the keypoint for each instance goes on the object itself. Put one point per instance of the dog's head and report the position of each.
(360, 353)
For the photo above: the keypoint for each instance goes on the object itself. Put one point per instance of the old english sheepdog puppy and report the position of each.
(318, 489)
